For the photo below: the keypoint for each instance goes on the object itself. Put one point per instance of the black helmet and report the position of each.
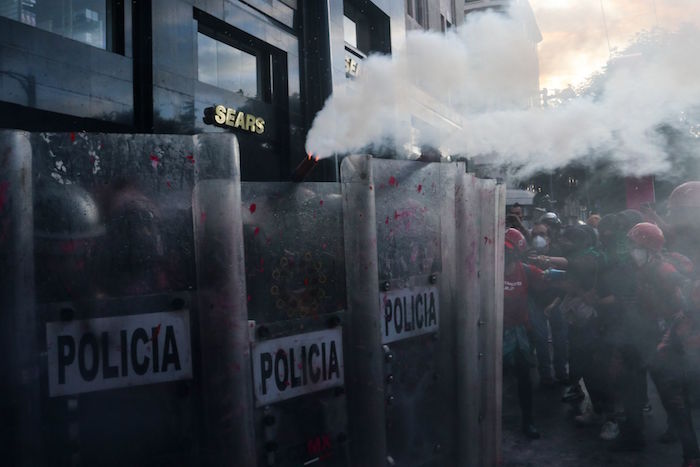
(65, 212)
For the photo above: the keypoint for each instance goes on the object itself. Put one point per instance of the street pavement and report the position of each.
(563, 444)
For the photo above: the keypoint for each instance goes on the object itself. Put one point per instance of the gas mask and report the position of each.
(640, 256)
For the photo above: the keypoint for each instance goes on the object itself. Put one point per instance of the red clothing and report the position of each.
(659, 290)
(516, 286)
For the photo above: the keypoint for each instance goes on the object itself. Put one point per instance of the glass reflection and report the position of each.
(227, 67)
(82, 20)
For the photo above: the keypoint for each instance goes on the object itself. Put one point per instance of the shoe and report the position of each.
(609, 431)
(668, 437)
(628, 445)
(589, 418)
(530, 431)
(573, 394)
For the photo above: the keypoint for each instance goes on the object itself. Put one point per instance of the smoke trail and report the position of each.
(485, 75)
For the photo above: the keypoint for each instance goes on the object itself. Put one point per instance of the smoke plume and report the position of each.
(474, 92)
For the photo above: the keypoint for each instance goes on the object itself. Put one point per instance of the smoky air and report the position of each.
(481, 73)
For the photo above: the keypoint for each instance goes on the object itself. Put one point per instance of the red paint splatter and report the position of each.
(257, 230)
(392, 181)
(156, 331)
(420, 188)
(249, 298)
(203, 216)
(190, 158)
(169, 184)
(386, 221)
(252, 208)
(321, 202)
(72, 137)
(4, 188)
(155, 158)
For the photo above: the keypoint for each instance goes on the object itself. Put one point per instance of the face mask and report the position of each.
(539, 242)
(639, 256)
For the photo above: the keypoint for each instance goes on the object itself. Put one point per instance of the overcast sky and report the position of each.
(574, 43)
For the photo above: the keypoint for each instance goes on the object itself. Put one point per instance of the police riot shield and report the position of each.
(106, 330)
(480, 228)
(400, 218)
(295, 275)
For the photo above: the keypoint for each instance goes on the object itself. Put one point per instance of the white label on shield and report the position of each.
(301, 364)
(409, 312)
(107, 353)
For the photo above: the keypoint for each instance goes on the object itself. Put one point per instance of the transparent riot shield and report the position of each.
(20, 396)
(479, 225)
(295, 276)
(106, 334)
(402, 309)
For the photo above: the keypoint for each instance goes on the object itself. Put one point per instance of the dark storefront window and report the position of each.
(92, 22)
(227, 67)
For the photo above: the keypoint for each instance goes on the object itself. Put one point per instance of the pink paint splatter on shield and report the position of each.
(392, 181)
(252, 208)
(155, 160)
(256, 231)
(4, 188)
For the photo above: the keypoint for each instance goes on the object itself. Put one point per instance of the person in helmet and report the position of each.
(658, 296)
(67, 228)
(543, 322)
(682, 224)
(660, 287)
(519, 278)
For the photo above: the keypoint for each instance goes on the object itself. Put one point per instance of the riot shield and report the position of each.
(106, 334)
(296, 296)
(425, 311)
(405, 214)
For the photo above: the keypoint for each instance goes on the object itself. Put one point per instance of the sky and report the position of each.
(575, 43)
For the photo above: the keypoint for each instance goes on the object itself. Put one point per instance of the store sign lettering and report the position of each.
(227, 117)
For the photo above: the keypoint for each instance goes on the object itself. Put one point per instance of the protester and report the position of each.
(517, 354)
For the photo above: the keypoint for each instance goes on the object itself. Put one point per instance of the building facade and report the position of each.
(156, 66)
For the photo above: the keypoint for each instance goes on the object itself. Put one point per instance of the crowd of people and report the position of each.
(607, 305)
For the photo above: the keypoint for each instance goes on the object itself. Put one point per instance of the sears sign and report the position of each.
(108, 353)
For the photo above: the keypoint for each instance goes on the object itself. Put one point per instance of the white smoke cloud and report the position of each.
(486, 74)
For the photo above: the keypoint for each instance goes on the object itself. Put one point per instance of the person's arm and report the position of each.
(547, 262)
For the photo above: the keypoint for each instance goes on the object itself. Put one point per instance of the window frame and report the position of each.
(237, 39)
